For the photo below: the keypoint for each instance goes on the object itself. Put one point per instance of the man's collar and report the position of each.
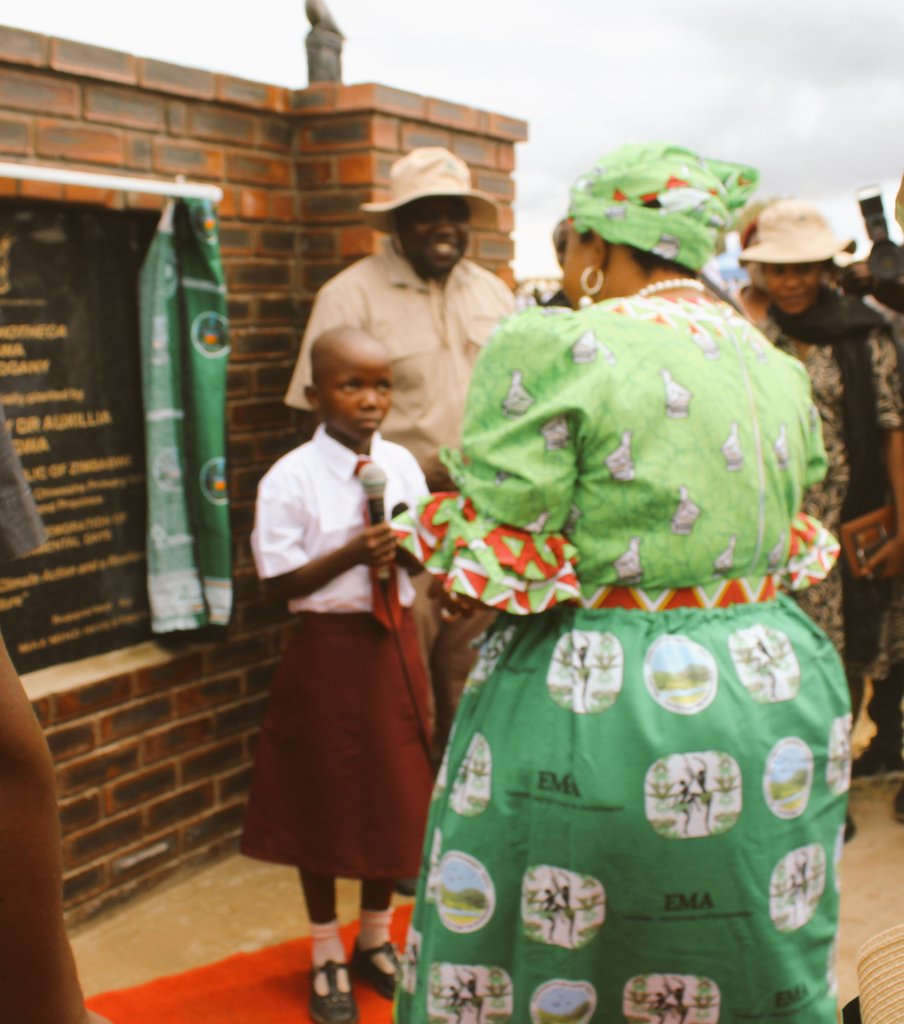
(341, 460)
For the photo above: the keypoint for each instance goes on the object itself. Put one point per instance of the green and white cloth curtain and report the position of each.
(184, 353)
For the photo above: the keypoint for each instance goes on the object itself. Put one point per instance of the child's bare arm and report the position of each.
(375, 545)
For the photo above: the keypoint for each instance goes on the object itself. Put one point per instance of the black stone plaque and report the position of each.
(71, 388)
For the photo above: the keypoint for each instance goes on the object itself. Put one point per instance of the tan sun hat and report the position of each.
(430, 171)
(792, 231)
(880, 971)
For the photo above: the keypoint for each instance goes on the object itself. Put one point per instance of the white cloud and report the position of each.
(808, 91)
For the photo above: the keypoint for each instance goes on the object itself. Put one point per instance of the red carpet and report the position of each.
(267, 987)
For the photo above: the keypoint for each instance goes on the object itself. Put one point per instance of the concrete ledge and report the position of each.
(75, 674)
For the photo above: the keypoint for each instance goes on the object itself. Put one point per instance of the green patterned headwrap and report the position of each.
(662, 199)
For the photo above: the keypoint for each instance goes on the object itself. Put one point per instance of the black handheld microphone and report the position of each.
(373, 480)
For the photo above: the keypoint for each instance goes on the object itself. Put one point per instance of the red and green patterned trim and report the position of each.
(521, 572)
(812, 554)
(503, 567)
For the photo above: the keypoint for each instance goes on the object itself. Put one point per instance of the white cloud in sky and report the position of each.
(809, 91)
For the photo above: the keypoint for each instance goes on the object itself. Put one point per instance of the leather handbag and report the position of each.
(862, 537)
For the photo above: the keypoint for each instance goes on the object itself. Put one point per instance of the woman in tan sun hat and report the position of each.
(790, 231)
(852, 362)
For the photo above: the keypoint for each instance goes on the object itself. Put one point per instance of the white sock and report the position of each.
(375, 932)
(374, 928)
(326, 943)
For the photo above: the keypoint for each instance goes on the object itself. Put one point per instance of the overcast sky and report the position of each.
(809, 91)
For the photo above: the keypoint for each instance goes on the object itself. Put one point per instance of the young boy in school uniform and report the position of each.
(342, 778)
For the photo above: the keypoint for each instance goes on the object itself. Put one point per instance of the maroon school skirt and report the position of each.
(341, 780)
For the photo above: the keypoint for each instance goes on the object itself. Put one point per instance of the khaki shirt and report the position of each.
(433, 333)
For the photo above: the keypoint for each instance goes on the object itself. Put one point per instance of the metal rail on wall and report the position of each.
(113, 182)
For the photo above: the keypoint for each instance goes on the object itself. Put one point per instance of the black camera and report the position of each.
(886, 260)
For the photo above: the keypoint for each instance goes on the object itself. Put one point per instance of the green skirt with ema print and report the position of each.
(639, 818)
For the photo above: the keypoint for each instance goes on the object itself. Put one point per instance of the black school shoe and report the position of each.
(877, 759)
(335, 1007)
(362, 963)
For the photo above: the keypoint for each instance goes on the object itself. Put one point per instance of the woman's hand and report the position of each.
(452, 606)
(888, 561)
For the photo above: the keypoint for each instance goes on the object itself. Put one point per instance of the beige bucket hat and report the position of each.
(430, 171)
(880, 971)
(792, 231)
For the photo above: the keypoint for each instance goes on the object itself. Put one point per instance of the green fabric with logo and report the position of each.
(641, 810)
(185, 348)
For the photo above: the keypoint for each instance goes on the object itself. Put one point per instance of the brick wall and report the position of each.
(153, 763)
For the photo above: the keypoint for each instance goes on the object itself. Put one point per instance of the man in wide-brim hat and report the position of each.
(434, 310)
(431, 307)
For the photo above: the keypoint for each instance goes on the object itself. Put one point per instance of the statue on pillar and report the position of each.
(323, 43)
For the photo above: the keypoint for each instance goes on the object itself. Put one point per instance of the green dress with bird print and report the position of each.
(640, 812)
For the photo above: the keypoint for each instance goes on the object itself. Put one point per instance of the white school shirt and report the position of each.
(310, 502)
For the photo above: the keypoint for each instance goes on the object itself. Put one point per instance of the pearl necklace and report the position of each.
(672, 284)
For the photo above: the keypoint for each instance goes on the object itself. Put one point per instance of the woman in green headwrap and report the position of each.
(640, 811)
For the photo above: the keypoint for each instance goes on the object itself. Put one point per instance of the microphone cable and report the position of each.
(406, 675)
(397, 510)
(373, 481)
